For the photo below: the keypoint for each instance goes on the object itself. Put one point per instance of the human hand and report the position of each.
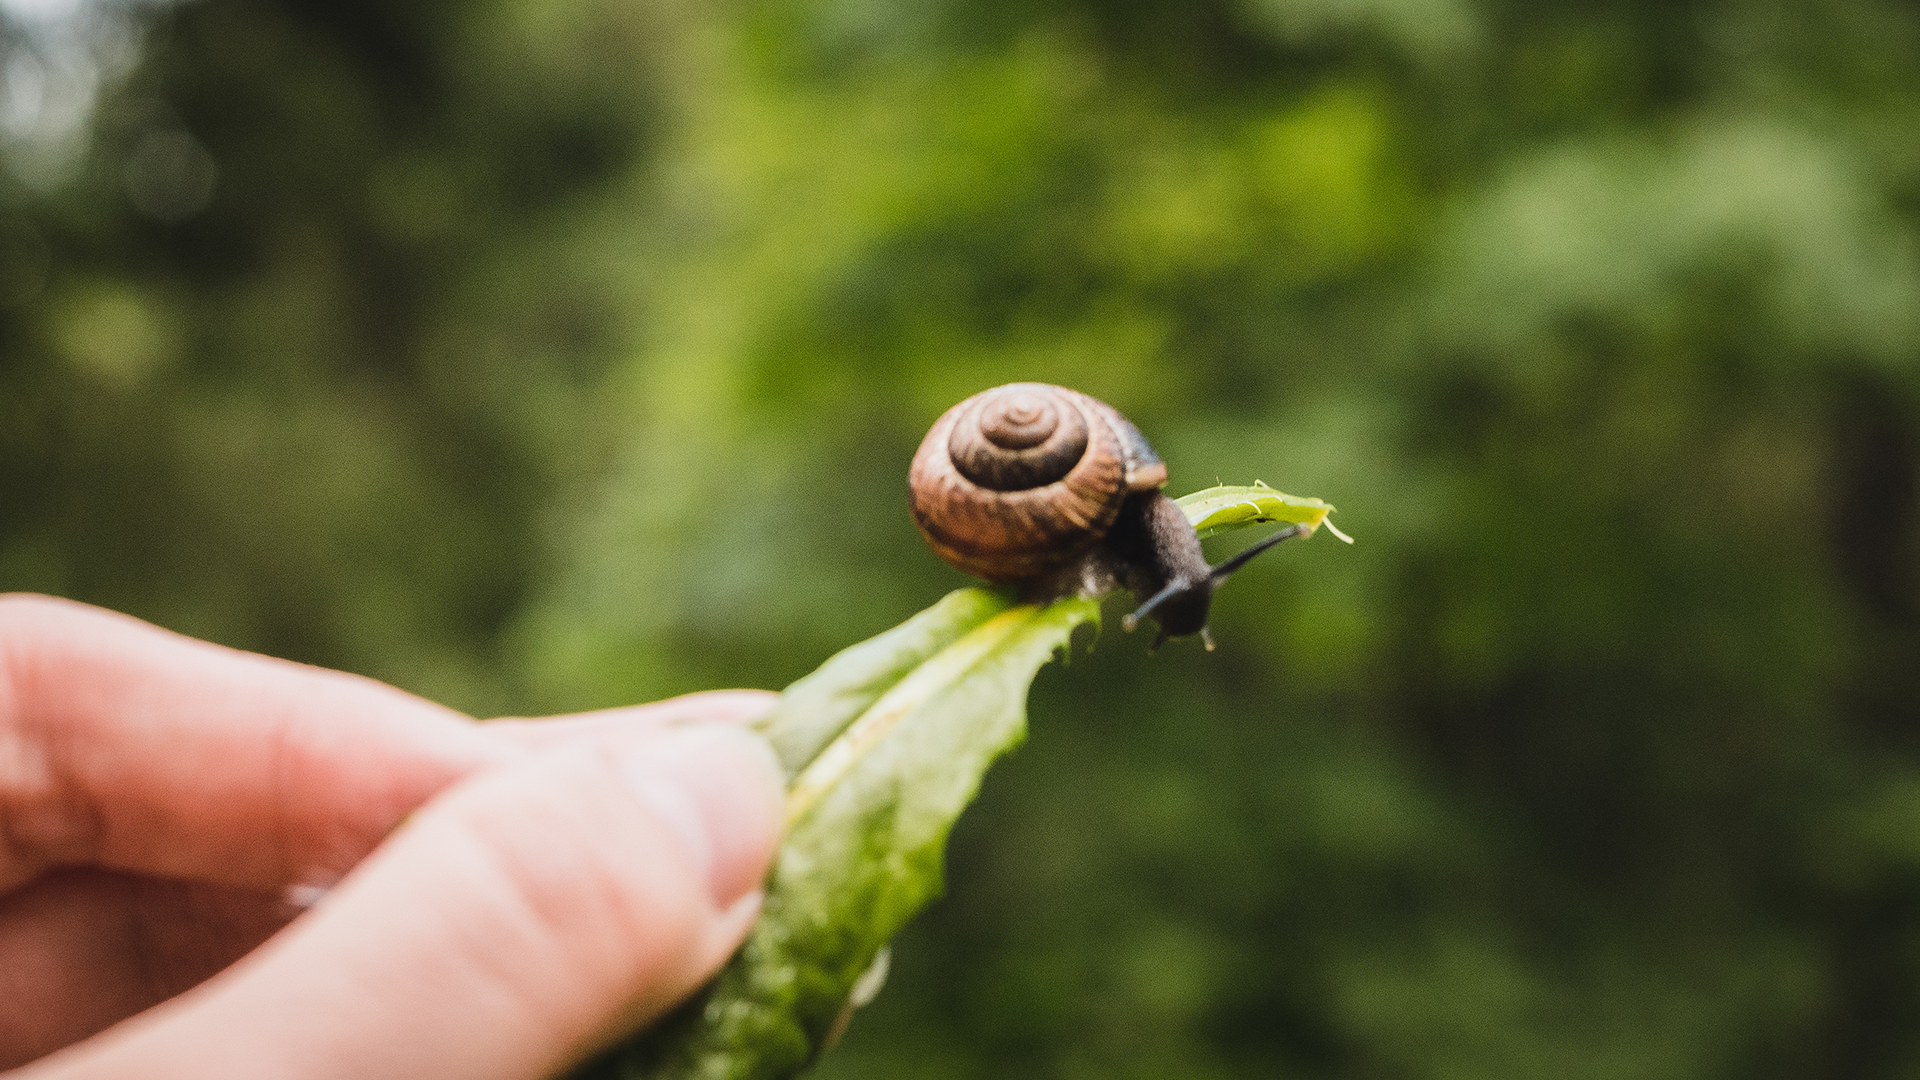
(168, 806)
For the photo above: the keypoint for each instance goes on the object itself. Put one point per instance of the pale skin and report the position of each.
(215, 864)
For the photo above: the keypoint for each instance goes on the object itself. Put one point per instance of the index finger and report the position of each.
(706, 707)
(126, 746)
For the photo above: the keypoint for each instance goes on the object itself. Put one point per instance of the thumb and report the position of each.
(515, 925)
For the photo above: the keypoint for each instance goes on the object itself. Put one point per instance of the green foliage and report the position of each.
(1595, 757)
(1225, 507)
(884, 746)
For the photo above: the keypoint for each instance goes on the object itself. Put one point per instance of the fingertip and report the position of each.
(733, 924)
(725, 706)
(730, 707)
(719, 790)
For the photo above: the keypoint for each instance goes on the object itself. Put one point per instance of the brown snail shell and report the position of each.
(1046, 487)
(1023, 480)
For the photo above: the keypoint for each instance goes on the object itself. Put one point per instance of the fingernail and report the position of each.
(731, 706)
(718, 791)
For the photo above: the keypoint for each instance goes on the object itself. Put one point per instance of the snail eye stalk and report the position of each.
(1183, 586)
(1172, 589)
(1224, 570)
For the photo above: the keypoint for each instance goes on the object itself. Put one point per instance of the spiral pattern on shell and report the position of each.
(1022, 480)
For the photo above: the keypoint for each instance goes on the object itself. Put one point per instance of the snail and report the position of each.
(1054, 491)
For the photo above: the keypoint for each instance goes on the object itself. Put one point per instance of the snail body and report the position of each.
(1055, 491)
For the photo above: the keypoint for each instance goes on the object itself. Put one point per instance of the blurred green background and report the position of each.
(538, 356)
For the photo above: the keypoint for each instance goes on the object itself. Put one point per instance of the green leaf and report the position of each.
(885, 745)
(1224, 508)
(814, 710)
